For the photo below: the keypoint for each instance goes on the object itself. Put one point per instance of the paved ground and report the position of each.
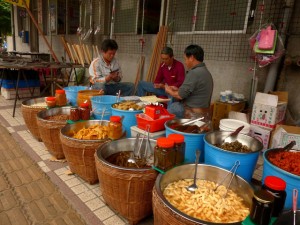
(35, 190)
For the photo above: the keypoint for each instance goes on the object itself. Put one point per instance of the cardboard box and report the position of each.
(261, 134)
(23, 93)
(269, 109)
(283, 135)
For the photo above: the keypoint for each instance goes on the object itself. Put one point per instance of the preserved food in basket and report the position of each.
(288, 161)
(61, 98)
(234, 146)
(121, 159)
(115, 127)
(58, 117)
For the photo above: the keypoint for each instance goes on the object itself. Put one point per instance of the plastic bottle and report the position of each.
(164, 154)
(276, 187)
(61, 99)
(115, 127)
(179, 147)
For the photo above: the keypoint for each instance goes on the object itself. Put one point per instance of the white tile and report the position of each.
(65, 177)
(104, 213)
(95, 203)
(45, 169)
(60, 171)
(78, 189)
(114, 220)
(72, 182)
(86, 196)
(41, 164)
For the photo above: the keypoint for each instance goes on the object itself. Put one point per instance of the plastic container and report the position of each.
(292, 180)
(72, 93)
(115, 128)
(101, 102)
(60, 96)
(193, 142)
(262, 206)
(129, 118)
(276, 187)
(164, 154)
(179, 146)
(50, 101)
(232, 125)
(226, 159)
(155, 125)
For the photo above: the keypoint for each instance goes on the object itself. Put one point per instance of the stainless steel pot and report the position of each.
(206, 172)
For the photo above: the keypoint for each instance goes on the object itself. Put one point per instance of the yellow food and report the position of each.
(207, 204)
(95, 132)
(127, 105)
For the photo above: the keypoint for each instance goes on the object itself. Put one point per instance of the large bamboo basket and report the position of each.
(29, 109)
(50, 130)
(127, 190)
(80, 153)
(166, 214)
(86, 95)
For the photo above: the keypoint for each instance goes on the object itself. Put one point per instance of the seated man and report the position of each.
(171, 72)
(105, 71)
(196, 91)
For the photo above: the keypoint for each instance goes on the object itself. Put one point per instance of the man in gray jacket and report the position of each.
(196, 91)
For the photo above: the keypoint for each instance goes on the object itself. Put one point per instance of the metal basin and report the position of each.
(225, 159)
(206, 172)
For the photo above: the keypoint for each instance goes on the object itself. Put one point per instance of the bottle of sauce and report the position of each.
(262, 207)
(115, 128)
(61, 99)
(179, 147)
(84, 111)
(74, 114)
(164, 154)
(276, 187)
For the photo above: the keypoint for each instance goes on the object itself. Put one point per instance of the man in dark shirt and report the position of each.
(171, 72)
(197, 88)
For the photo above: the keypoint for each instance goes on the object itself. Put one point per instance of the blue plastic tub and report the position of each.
(129, 118)
(226, 159)
(103, 101)
(98, 115)
(72, 93)
(292, 180)
(192, 143)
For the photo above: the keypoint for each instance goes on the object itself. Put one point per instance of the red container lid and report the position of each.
(84, 105)
(177, 138)
(50, 99)
(115, 119)
(165, 142)
(275, 183)
(60, 91)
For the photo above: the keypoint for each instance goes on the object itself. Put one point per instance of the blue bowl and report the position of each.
(99, 102)
(226, 159)
(192, 142)
(292, 180)
(129, 118)
(72, 93)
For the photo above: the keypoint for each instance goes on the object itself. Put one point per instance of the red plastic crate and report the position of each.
(155, 125)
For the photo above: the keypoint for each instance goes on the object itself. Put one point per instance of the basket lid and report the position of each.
(275, 183)
(177, 138)
(165, 142)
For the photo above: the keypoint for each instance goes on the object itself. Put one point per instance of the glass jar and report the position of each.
(61, 98)
(50, 101)
(262, 207)
(276, 187)
(115, 128)
(179, 147)
(74, 114)
(164, 154)
(84, 111)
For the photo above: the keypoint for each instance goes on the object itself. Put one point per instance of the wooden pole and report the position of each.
(40, 32)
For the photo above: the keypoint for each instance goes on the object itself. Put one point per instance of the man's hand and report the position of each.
(174, 88)
(113, 76)
(159, 85)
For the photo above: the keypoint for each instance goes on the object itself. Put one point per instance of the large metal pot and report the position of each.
(193, 141)
(127, 190)
(166, 214)
(225, 159)
(50, 130)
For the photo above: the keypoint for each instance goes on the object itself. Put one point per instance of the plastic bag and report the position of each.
(263, 52)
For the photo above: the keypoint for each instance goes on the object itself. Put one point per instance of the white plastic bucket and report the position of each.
(232, 125)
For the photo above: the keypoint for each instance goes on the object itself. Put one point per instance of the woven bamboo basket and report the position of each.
(80, 153)
(166, 214)
(50, 130)
(29, 109)
(86, 95)
(127, 190)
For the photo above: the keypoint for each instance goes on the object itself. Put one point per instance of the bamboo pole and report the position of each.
(40, 31)
(71, 52)
(64, 42)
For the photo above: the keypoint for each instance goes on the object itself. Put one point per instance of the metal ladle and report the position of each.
(135, 147)
(192, 188)
(232, 172)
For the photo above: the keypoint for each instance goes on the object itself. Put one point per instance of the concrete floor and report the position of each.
(86, 199)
